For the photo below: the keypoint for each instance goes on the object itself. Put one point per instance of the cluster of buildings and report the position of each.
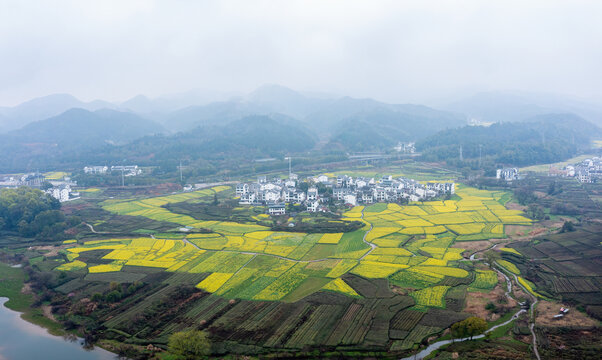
(587, 171)
(406, 148)
(63, 192)
(13, 181)
(343, 189)
(127, 170)
(60, 189)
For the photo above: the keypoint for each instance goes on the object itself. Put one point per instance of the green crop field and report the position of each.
(427, 230)
(277, 274)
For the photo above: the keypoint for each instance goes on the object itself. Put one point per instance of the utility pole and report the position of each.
(123, 176)
(461, 157)
(180, 171)
(290, 169)
(480, 147)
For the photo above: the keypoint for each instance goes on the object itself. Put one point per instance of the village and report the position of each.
(587, 171)
(61, 187)
(315, 193)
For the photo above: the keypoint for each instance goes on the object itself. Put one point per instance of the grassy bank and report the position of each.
(11, 283)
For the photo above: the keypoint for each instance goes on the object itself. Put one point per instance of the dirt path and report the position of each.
(372, 246)
(93, 230)
(531, 316)
(47, 311)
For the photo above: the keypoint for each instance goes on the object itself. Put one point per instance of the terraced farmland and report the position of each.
(406, 244)
(254, 288)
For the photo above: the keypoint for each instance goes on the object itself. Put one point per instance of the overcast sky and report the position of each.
(396, 51)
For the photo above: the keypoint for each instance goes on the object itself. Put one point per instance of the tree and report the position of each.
(469, 327)
(536, 212)
(567, 227)
(190, 344)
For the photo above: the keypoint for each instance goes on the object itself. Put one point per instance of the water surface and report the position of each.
(21, 340)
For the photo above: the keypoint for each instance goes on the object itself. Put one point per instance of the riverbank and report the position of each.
(12, 281)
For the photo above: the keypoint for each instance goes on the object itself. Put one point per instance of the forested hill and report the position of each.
(246, 139)
(381, 129)
(48, 142)
(78, 128)
(542, 139)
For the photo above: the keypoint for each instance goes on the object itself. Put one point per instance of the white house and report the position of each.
(507, 174)
(312, 194)
(276, 209)
(96, 169)
(271, 196)
(128, 170)
(242, 189)
(61, 193)
(312, 206)
(351, 199)
(247, 198)
(570, 170)
(322, 179)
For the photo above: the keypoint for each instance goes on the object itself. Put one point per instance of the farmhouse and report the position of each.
(128, 170)
(507, 174)
(277, 209)
(96, 169)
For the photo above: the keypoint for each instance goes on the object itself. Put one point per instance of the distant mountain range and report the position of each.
(270, 120)
(513, 106)
(41, 108)
(70, 133)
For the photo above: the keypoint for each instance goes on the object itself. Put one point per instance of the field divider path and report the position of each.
(93, 230)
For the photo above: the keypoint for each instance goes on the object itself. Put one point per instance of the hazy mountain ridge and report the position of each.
(342, 123)
(70, 134)
(541, 139)
(45, 107)
(514, 106)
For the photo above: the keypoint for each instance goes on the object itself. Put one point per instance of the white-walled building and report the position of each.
(277, 209)
(96, 169)
(507, 174)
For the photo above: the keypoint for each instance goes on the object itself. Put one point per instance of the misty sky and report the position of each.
(395, 51)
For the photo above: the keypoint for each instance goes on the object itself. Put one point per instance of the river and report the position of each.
(21, 340)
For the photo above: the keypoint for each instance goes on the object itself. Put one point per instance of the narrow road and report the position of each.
(531, 317)
(472, 257)
(94, 231)
(434, 346)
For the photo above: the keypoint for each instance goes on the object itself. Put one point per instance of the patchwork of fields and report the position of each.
(411, 247)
